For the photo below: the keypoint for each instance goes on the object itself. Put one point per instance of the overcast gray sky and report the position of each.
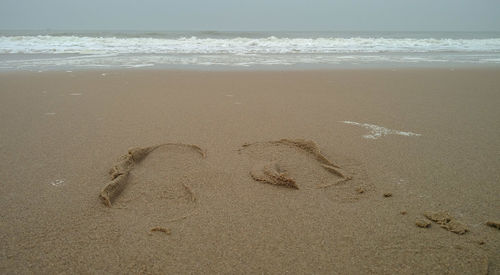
(425, 15)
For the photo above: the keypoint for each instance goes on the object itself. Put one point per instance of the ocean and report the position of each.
(55, 50)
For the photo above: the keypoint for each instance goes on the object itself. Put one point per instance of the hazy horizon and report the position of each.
(249, 31)
(226, 15)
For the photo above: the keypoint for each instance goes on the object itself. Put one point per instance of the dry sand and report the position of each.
(182, 213)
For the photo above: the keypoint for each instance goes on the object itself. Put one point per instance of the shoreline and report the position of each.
(265, 68)
(258, 69)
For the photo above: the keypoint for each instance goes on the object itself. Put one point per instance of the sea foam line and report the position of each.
(239, 45)
(379, 131)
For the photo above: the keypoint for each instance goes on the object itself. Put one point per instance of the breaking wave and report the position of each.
(47, 44)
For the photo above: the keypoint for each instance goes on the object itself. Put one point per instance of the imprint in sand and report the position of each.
(379, 131)
(153, 189)
(120, 171)
(293, 163)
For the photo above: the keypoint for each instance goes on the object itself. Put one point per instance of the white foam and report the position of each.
(96, 52)
(138, 65)
(379, 131)
(238, 46)
(57, 182)
(491, 60)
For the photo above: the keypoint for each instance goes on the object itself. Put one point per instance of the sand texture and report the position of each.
(277, 182)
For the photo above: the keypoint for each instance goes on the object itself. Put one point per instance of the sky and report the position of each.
(252, 15)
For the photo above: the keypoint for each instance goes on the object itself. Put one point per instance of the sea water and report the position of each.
(47, 50)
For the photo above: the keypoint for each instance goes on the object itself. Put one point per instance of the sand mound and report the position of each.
(447, 222)
(422, 223)
(121, 170)
(270, 172)
(161, 229)
(274, 154)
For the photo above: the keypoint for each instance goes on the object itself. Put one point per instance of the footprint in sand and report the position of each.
(153, 187)
(299, 164)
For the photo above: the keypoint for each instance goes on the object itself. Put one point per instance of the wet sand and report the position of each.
(399, 145)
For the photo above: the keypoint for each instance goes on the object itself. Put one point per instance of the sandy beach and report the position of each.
(319, 171)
